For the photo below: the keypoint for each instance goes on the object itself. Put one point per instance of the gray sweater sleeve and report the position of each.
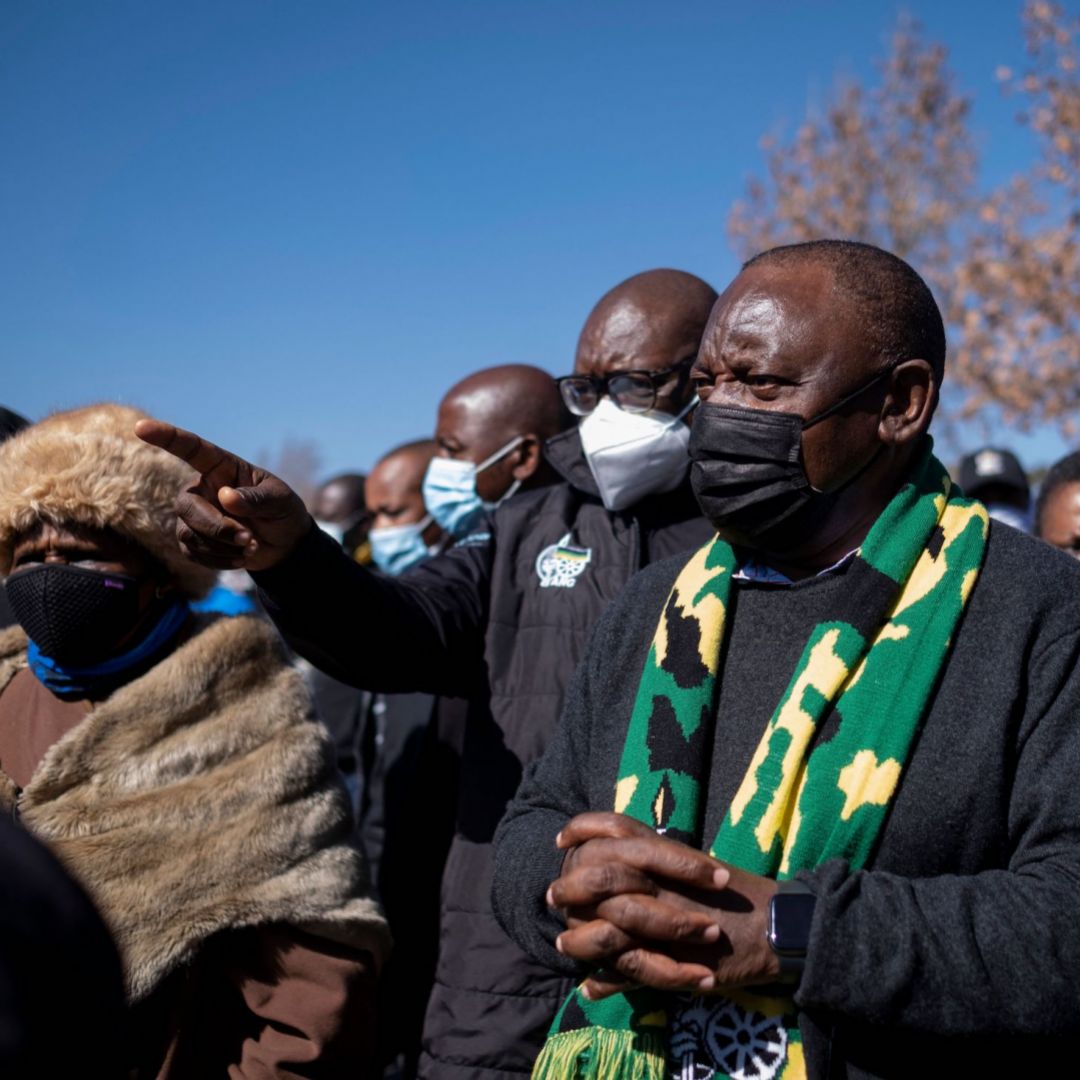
(993, 950)
(996, 952)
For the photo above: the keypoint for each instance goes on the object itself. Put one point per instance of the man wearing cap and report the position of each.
(996, 478)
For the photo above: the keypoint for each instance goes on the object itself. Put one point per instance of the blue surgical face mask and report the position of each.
(450, 490)
(397, 547)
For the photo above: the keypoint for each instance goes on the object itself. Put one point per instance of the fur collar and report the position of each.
(199, 797)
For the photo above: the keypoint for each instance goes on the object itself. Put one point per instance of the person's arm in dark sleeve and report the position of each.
(576, 773)
(991, 953)
(421, 632)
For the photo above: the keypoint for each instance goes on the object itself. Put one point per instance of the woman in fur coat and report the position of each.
(172, 763)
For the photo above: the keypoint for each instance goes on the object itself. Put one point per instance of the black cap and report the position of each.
(991, 465)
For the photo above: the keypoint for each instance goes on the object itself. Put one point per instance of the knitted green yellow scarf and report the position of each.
(875, 661)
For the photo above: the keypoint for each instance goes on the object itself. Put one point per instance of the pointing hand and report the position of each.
(236, 515)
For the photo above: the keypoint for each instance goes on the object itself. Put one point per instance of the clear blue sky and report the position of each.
(306, 220)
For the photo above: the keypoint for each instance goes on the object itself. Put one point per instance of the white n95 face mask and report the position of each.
(450, 490)
(632, 455)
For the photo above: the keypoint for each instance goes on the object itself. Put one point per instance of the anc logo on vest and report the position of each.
(560, 565)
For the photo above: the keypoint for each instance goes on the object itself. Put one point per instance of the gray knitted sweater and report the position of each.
(957, 950)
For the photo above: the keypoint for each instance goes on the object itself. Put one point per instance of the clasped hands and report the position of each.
(645, 910)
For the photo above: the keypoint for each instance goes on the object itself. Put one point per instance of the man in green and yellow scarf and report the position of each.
(813, 809)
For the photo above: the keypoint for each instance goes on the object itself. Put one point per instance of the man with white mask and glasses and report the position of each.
(501, 619)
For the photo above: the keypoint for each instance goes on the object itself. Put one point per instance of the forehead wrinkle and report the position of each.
(749, 320)
(754, 323)
(774, 315)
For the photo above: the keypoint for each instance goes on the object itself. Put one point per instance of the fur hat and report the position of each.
(87, 467)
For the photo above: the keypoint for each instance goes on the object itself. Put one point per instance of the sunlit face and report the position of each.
(464, 433)
(394, 494)
(625, 341)
(775, 342)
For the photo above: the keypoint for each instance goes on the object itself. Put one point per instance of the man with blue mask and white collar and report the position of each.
(502, 618)
(490, 431)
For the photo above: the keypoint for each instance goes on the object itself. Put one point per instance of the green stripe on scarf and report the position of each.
(875, 661)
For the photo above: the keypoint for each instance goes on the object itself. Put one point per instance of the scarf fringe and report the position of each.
(602, 1054)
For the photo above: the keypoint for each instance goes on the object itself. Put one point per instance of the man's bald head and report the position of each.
(493, 408)
(393, 490)
(650, 322)
(340, 499)
(508, 400)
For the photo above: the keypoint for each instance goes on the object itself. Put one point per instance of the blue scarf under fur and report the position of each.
(81, 682)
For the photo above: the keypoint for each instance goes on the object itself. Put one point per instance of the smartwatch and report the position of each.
(791, 911)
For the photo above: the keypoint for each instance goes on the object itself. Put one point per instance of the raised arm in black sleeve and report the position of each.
(422, 632)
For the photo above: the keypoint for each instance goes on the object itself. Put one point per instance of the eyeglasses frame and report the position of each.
(600, 384)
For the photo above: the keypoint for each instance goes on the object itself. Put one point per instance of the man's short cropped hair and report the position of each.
(900, 316)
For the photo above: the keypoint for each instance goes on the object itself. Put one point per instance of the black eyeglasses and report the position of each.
(631, 391)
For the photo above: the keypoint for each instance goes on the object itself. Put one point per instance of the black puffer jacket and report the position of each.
(502, 620)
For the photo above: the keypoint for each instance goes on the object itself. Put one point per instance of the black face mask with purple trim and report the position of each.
(747, 467)
(75, 615)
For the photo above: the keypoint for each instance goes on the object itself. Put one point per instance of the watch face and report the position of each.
(792, 914)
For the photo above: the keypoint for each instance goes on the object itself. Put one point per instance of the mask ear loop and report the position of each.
(834, 408)
(857, 392)
(515, 442)
(691, 404)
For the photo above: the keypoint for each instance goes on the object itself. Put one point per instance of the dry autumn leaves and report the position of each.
(895, 164)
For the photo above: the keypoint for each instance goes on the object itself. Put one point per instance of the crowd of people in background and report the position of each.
(377, 786)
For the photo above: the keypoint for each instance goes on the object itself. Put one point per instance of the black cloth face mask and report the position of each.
(747, 467)
(74, 615)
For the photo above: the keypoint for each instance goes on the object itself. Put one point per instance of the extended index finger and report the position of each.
(203, 456)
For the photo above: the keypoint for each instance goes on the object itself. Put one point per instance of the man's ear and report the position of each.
(527, 457)
(909, 403)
